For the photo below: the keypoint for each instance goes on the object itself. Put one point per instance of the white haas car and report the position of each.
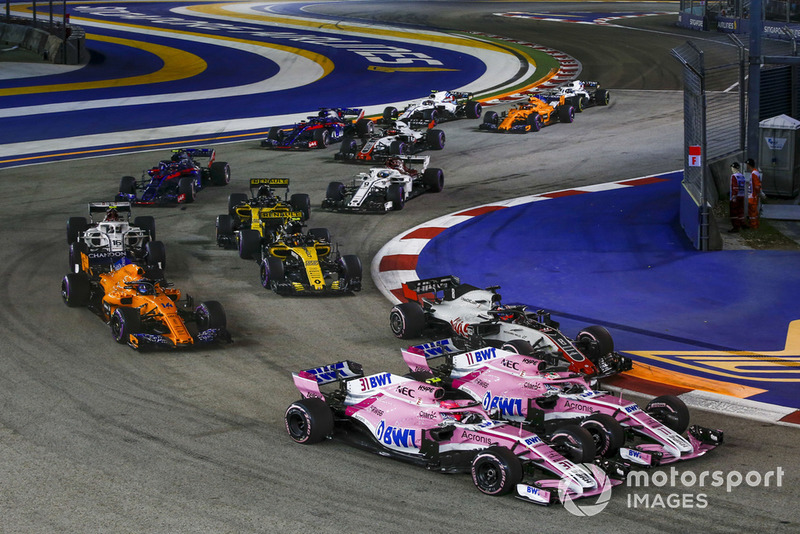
(439, 106)
(109, 240)
(383, 189)
(476, 318)
(395, 140)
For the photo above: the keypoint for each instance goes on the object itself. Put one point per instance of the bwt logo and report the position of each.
(482, 355)
(505, 405)
(400, 437)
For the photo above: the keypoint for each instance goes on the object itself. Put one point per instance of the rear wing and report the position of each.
(424, 161)
(308, 381)
(196, 152)
(414, 290)
(418, 357)
(102, 207)
(272, 183)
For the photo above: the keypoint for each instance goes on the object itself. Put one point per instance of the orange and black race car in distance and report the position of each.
(144, 311)
(530, 115)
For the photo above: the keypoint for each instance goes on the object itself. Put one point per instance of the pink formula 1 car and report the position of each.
(518, 388)
(411, 421)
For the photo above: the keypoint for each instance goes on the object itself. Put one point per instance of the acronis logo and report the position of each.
(505, 405)
(399, 437)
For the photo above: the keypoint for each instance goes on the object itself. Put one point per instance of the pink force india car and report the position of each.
(519, 389)
(411, 421)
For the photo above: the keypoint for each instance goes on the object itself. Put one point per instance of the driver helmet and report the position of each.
(451, 405)
(294, 227)
(112, 215)
(143, 289)
(504, 313)
(264, 191)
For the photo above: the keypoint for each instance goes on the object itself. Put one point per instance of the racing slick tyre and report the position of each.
(407, 320)
(127, 185)
(75, 251)
(235, 199)
(249, 243)
(670, 411)
(566, 114)
(352, 271)
(210, 314)
(519, 346)
(473, 109)
(496, 471)
(274, 133)
(146, 223)
(491, 118)
(394, 194)
(435, 139)
(220, 173)
(225, 230)
(595, 342)
(348, 148)
(607, 433)
(320, 234)
(124, 323)
(272, 273)
(389, 113)
(535, 122)
(574, 443)
(601, 97)
(322, 138)
(155, 255)
(364, 127)
(578, 101)
(186, 190)
(309, 421)
(301, 202)
(75, 227)
(335, 192)
(397, 148)
(433, 179)
(75, 290)
(431, 115)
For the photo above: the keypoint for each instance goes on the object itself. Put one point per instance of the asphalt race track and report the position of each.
(97, 437)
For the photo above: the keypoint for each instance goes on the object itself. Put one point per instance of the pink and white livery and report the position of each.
(520, 389)
(412, 421)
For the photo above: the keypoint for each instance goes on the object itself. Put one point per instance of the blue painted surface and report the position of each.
(620, 259)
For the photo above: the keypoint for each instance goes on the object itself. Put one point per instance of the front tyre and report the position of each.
(272, 273)
(210, 314)
(574, 443)
(496, 471)
(595, 342)
(220, 173)
(124, 323)
(187, 190)
(670, 411)
(308, 421)
(407, 320)
(607, 433)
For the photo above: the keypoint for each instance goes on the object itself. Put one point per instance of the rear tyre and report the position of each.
(75, 251)
(225, 229)
(75, 290)
(435, 139)
(407, 320)
(187, 190)
(210, 314)
(574, 443)
(519, 346)
(496, 471)
(309, 421)
(322, 137)
(602, 97)
(473, 109)
(75, 227)
(394, 194)
(397, 148)
(433, 179)
(235, 199)
(249, 243)
(127, 185)
(146, 223)
(220, 173)
(349, 145)
(155, 254)
(124, 323)
(670, 411)
(301, 202)
(364, 127)
(607, 433)
(389, 113)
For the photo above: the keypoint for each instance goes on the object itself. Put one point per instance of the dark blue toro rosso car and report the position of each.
(319, 131)
(176, 180)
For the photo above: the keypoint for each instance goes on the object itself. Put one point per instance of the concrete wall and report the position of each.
(49, 47)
